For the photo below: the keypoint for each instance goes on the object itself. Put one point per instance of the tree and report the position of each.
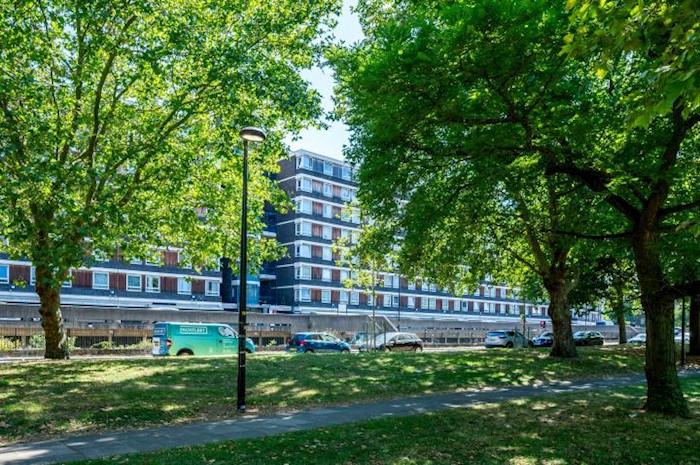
(366, 259)
(512, 82)
(611, 280)
(461, 91)
(643, 160)
(109, 109)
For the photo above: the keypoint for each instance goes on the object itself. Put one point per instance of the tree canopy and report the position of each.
(446, 101)
(119, 122)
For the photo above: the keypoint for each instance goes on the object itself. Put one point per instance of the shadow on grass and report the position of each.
(43, 399)
(582, 428)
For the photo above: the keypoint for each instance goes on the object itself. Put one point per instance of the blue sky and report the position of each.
(329, 142)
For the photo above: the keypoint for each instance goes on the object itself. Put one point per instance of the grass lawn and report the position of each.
(584, 428)
(43, 399)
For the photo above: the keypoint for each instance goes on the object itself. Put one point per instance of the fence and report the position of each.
(31, 336)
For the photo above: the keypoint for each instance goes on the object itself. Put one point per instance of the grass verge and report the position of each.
(584, 428)
(45, 399)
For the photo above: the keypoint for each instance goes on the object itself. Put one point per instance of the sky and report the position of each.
(329, 142)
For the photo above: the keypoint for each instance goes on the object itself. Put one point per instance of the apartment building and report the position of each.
(308, 279)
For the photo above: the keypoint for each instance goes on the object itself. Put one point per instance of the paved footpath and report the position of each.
(92, 446)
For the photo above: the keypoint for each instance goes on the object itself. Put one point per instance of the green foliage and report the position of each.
(119, 123)
(7, 343)
(38, 341)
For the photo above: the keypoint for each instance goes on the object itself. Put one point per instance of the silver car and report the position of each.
(506, 338)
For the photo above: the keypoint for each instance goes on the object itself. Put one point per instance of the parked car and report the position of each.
(507, 338)
(640, 338)
(316, 342)
(398, 342)
(545, 339)
(677, 338)
(588, 338)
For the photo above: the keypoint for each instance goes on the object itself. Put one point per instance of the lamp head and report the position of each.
(252, 134)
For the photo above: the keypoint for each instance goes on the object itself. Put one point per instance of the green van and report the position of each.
(175, 338)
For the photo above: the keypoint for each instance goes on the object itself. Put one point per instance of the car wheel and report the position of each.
(509, 345)
(344, 351)
(185, 353)
(248, 351)
(309, 351)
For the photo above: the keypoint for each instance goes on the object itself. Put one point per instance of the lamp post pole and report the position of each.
(248, 134)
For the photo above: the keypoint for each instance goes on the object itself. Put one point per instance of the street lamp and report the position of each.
(248, 134)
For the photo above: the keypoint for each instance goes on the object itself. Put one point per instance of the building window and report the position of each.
(432, 304)
(327, 190)
(326, 274)
(303, 229)
(328, 169)
(211, 288)
(411, 302)
(424, 285)
(303, 250)
(387, 300)
(327, 211)
(305, 294)
(370, 300)
(464, 305)
(304, 162)
(184, 286)
(412, 286)
(152, 284)
(304, 206)
(356, 216)
(326, 296)
(100, 280)
(304, 184)
(327, 232)
(4, 274)
(354, 298)
(346, 173)
(68, 282)
(397, 281)
(136, 261)
(343, 275)
(303, 272)
(433, 288)
(343, 298)
(395, 301)
(327, 253)
(345, 194)
(387, 280)
(133, 282)
(32, 275)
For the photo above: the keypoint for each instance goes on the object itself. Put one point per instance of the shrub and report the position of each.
(102, 345)
(38, 341)
(9, 344)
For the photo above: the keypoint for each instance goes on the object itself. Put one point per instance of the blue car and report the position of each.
(316, 342)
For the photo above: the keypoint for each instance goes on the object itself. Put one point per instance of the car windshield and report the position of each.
(496, 333)
(580, 334)
(543, 335)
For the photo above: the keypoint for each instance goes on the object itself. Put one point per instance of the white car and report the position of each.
(640, 338)
(677, 338)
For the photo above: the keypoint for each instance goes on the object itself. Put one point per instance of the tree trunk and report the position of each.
(622, 325)
(664, 394)
(52, 320)
(619, 309)
(560, 313)
(694, 325)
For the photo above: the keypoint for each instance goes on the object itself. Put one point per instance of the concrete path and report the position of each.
(248, 426)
